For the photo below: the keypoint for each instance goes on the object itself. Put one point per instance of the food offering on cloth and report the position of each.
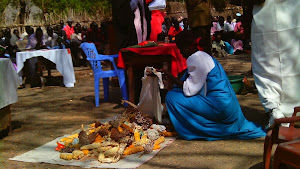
(128, 133)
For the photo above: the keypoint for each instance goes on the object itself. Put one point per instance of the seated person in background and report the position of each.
(237, 44)
(51, 39)
(75, 46)
(84, 33)
(229, 25)
(28, 31)
(94, 35)
(239, 29)
(2, 44)
(228, 29)
(35, 41)
(239, 26)
(221, 22)
(166, 26)
(174, 30)
(62, 37)
(69, 29)
(15, 37)
(76, 37)
(186, 24)
(6, 42)
(218, 46)
(215, 26)
(78, 25)
(62, 24)
(203, 104)
(180, 20)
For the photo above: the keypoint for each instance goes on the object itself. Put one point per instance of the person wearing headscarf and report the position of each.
(203, 104)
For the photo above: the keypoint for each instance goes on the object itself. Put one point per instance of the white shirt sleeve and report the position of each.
(199, 65)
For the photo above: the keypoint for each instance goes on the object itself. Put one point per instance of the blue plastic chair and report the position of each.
(95, 59)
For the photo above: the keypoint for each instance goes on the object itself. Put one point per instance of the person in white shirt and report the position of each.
(229, 25)
(51, 38)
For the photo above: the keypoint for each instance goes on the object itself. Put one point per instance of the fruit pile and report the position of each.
(128, 133)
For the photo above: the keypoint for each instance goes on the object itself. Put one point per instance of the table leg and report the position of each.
(5, 119)
(40, 70)
(131, 84)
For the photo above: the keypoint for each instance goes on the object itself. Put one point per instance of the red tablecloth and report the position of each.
(178, 61)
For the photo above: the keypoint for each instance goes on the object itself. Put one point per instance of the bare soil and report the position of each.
(42, 115)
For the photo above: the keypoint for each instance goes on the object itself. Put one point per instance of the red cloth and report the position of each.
(173, 31)
(156, 24)
(69, 31)
(148, 1)
(178, 63)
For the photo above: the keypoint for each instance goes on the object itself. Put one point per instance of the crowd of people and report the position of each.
(228, 36)
(60, 36)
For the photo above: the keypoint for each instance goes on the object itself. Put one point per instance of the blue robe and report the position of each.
(216, 116)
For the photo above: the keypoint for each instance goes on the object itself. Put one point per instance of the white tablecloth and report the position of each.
(61, 57)
(9, 82)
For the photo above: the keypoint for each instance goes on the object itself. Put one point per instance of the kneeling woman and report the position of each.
(203, 105)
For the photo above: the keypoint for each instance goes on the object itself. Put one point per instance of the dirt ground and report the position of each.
(42, 115)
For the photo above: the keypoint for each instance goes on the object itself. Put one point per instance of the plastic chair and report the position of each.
(95, 59)
(281, 134)
(288, 153)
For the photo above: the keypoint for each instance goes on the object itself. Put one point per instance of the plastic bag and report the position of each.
(150, 100)
(157, 4)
